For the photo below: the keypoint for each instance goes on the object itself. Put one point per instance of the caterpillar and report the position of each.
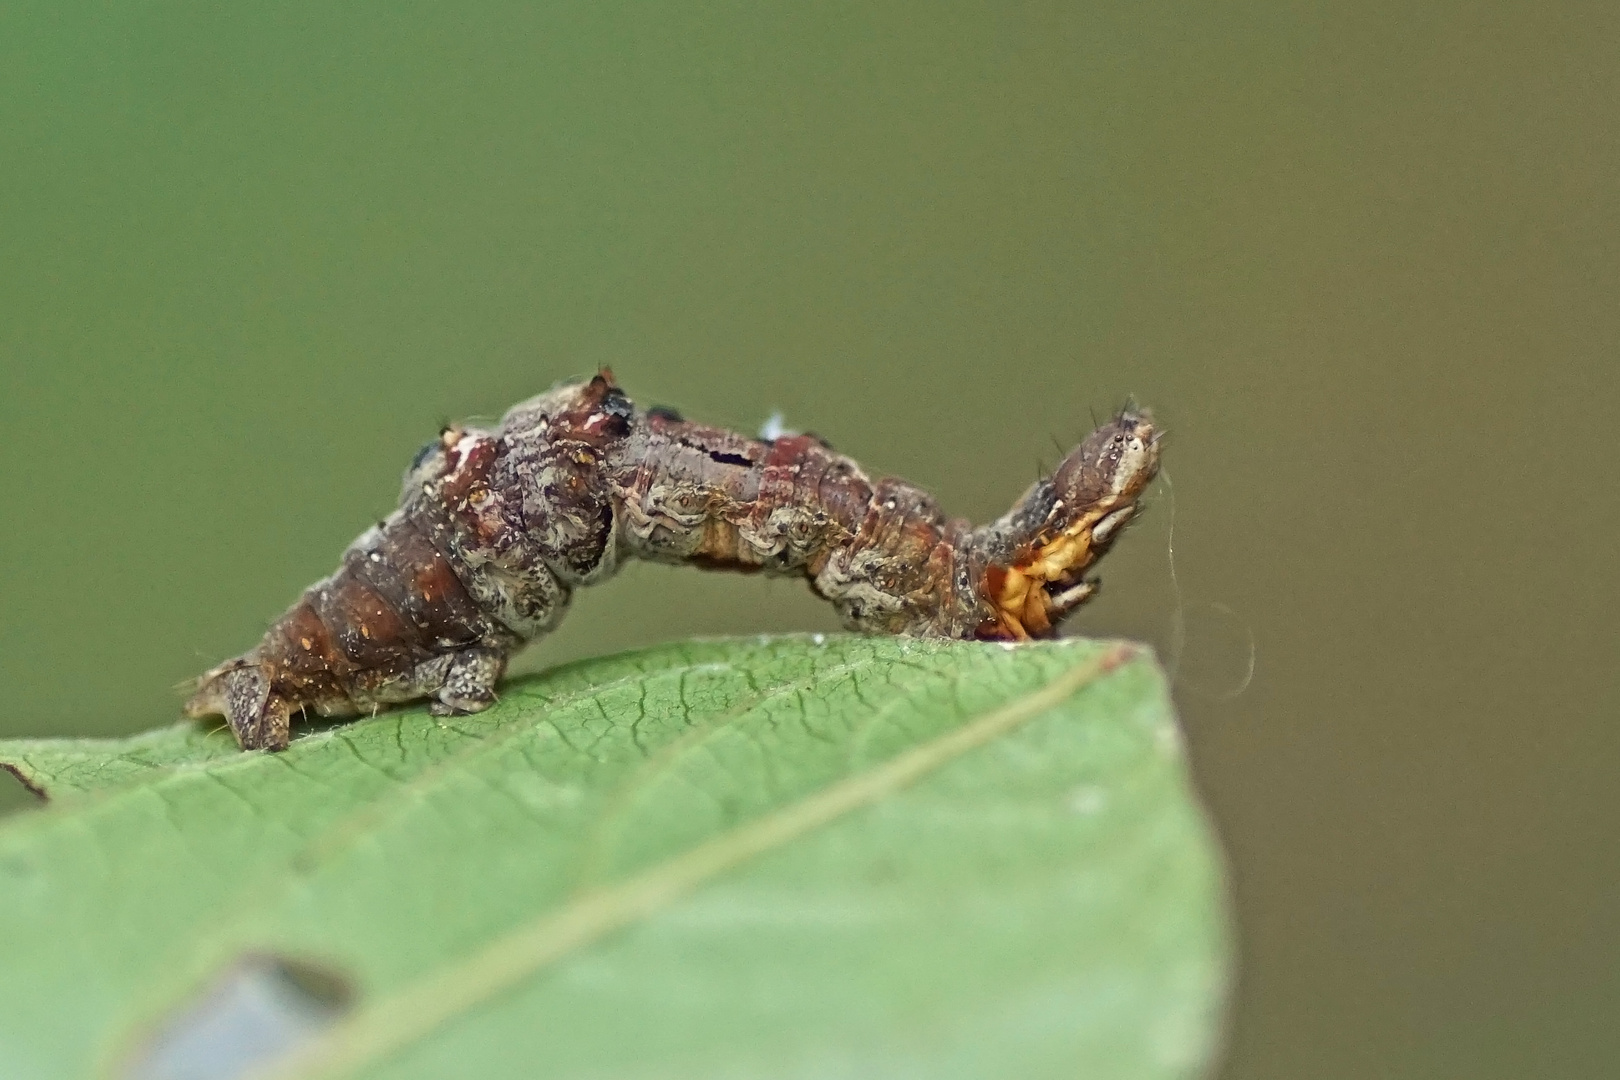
(496, 529)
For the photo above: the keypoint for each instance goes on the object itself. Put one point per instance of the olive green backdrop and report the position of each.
(1362, 260)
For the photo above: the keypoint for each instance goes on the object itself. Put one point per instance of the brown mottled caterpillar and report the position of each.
(495, 529)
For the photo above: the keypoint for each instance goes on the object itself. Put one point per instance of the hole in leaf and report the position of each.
(259, 1009)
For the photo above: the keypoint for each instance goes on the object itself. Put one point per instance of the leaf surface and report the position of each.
(798, 857)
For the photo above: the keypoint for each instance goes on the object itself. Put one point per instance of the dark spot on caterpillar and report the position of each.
(614, 403)
(716, 454)
(664, 412)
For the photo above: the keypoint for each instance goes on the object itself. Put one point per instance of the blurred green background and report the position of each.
(1361, 259)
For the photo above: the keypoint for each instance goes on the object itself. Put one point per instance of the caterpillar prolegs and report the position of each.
(496, 529)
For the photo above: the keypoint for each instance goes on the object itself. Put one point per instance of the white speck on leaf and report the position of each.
(1087, 799)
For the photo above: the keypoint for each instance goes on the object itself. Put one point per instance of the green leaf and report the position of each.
(805, 857)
